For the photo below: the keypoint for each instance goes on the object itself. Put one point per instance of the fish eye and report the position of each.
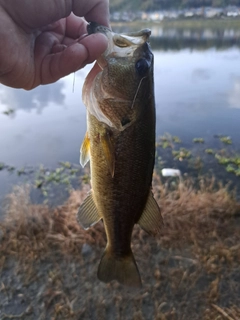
(142, 67)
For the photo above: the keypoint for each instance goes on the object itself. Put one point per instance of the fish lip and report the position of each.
(94, 27)
(131, 38)
(144, 33)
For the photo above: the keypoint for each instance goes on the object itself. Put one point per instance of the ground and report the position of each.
(48, 263)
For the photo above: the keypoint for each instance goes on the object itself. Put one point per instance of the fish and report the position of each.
(120, 143)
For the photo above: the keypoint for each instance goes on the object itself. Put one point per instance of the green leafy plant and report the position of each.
(198, 140)
(209, 151)
(181, 154)
(226, 139)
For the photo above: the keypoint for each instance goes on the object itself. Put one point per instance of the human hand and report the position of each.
(44, 40)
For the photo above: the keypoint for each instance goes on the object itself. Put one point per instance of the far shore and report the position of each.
(221, 23)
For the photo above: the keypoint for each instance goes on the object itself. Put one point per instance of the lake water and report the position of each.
(197, 91)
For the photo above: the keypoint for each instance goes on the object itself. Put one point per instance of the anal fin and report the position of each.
(85, 151)
(88, 214)
(151, 219)
(108, 150)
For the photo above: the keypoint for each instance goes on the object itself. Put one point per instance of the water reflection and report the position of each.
(193, 40)
(195, 91)
(200, 74)
(234, 94)
(54, 135)
(38, 98)
(177, 38)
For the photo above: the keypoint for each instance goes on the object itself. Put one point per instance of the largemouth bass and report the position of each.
(120, 143)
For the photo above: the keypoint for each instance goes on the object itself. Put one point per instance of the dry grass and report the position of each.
(48, 263)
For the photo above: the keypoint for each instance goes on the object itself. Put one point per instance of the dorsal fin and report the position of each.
(85, 150)
(151, 220)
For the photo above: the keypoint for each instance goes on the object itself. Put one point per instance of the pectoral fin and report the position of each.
(88, 214)
(108, 150)
(151, 220)
(85, 151)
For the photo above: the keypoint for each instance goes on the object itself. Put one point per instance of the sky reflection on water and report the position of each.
(37, 99)
(197, 94)
(45, 135)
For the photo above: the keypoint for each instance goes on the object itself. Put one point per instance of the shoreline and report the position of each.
(52, 186)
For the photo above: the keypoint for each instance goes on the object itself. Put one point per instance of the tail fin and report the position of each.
(124, 270)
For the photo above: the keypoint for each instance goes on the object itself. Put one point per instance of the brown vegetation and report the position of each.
(48, 263)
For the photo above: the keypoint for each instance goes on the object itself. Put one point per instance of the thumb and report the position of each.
(69, 59)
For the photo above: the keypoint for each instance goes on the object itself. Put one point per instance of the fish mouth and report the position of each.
(119, 45)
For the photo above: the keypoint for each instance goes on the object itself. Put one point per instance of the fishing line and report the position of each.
(137, 92)
(74, 76)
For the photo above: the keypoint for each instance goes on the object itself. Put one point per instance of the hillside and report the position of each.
(116, 5)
